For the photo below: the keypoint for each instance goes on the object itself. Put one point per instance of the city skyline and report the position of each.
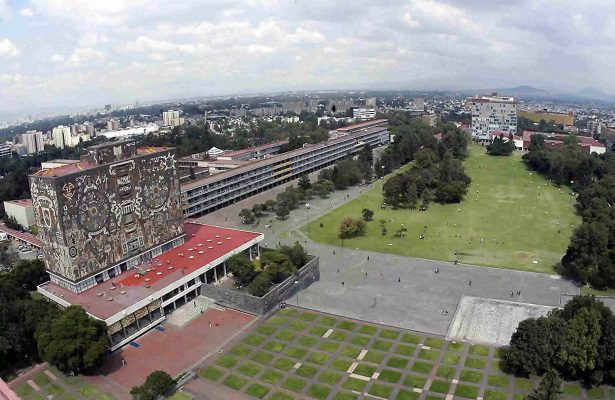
(74, 53)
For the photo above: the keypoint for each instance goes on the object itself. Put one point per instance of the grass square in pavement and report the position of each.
(411, 338)
(389, 375)
(499, 380)
(429, 354)
(368, 329)
(283, 364)
(397, 362)
(405, 349)
(266, 329)
(525, 384)
(407, 395)
(374, 356)
(446, 371)
(479, 350)
(297, 325)
(288, 312)
(595, 393)
(422, 367)
(249, 369)
(389, 334)
(354, 384)
(439, 386)
(474, 362)
(41, 379)
(254, 340)
(318, 391)
(272, 377)
(307, 371)
(365, 370)
(276, 320)
(227, 361)
(491, 394)
(327, 321)
(467, 391)
(318, 330)
(286, 335)
(329, 377)
(346, 325)
(329, 347)
(235, 382)
(451, 358)
(468, 375)
(211, 373)
(380, 390)
(308, 316)
(296, 352)
(341, 364)
(274, 346)
(258, 391)
(415, 381)
(342, 395)
(338, 335)
(382, 345)
(434, 342)
(318, 358)
(280, 396)
(456, 346)
(360, 340)
(350, 351)
(262, 357)
(307, 341)
(295, 384)
(241, 350)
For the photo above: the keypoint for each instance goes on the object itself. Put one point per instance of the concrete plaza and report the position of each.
(399, 291)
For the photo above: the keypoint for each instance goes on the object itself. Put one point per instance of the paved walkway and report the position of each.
(415, 302)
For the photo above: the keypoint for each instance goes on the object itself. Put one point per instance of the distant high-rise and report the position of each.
(6, 149)
(363, 114)
(493, 113)
(418, 103)
(171, 118)
(61, 136)
(370, 102)
(113, 125)
(107, 107)
(33, 142)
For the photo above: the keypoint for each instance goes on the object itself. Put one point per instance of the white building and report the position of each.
(22, 211)
(61, 136)
(130, 132)
(493, 113)
(113, 125)
(594, 127)
(370, 102)
(6, 149)
(33, 142)
(363, 114)
(172, 118)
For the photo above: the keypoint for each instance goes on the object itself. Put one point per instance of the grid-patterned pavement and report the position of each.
(303, 354)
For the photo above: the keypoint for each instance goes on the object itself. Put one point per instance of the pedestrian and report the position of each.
(380, 273)
(367, 258)
(123, 362)
(304, 240)
(518, 293)
(342, 283)
(279, 243)
(210, 324)
(470, 283)
(195, 303)
(398, 279)
(512, 293)
(226, 218)
(366, 274)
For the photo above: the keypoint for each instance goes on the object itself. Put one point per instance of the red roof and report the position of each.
(236, 153)
(362, 125)
(204, 245)
(84, 164)
(26, 237)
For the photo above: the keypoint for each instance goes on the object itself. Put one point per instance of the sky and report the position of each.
(91, 52)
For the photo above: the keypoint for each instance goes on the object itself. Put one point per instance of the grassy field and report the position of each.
(524, 221)
(319, 356)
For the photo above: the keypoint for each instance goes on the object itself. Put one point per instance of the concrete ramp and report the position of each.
(189, 311)
(491, 321)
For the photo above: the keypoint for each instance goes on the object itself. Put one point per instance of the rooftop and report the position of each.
(21, 202)
(365, 124)
(237, 153)
(83, 165)
(26, 237)
(204, 245)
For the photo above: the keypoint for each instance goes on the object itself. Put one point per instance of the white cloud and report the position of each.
(411, 22)
(8, 48)
(91, 39)
(83, 56)
(92, 12)
(26, 12)
(5, 11)
(57, 58)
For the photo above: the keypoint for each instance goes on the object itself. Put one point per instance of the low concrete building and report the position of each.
(22, 211)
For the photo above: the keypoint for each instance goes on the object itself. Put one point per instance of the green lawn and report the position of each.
(518, 208)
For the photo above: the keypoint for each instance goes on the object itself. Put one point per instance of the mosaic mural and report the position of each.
(94, 218)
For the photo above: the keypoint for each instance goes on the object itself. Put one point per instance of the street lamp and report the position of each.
(296, 283)
(307, 212)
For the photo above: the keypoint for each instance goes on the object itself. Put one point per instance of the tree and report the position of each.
(578, 348)
(296, 253)
(242, 269)
(533, 346)
(156, 384)
(366, 155)
(29, 273)
(270, 205)
(367, 214)
(549, 387)
(350, 228)
(585, 253)
(73, 341)
(247, 216)
(304, 182)
(500, 147)
(260, 285)
(282, 211)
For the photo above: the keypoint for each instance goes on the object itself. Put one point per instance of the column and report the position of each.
(224, 267)
(215, 274)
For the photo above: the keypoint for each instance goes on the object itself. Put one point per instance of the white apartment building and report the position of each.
(33, 142)
(363, 114)
(493, 113)
(171, 118)
(6, 149)
(113, 125)
(61, 136)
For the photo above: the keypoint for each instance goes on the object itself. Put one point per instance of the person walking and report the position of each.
(470, 283)
(342, 283)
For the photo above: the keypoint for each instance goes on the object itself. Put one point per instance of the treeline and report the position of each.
(577, 342)
(437, 174)
(33, 329)
(273, 267)
(590, 257)
(501, 147)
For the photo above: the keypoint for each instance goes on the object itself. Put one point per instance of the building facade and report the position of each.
(493, 113)
(6, 150)
(216, 191)
(33, 142)
(22, 211)
(363, 114)
(61, 136)
(115, 208)
(172, 118)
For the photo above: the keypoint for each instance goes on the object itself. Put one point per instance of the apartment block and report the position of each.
(216, 191)
(493, 113)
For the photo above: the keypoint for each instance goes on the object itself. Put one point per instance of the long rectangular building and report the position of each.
(214, 192)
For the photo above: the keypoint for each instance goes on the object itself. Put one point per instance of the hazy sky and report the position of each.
(91, 52)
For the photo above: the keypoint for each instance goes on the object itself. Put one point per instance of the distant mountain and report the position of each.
(523, 91)
(594, 94)
(531, 92)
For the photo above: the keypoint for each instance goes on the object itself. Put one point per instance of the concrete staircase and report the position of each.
(189, 311)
